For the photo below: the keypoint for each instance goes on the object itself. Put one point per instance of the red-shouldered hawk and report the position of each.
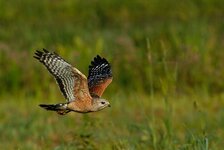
(83, 94)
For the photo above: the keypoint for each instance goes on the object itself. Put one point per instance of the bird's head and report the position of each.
(100, 104)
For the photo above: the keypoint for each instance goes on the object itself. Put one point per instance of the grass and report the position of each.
(167, 60)
(180, 36)
(133, 122)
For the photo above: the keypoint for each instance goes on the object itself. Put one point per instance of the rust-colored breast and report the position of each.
(79, 105)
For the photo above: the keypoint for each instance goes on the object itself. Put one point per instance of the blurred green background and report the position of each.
(167, 59)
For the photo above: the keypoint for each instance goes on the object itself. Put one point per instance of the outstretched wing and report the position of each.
(100, 76)
(70, 80)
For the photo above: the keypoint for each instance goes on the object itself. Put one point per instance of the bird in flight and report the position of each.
(83, 94)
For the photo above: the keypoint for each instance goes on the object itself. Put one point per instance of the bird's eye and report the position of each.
(102, 102)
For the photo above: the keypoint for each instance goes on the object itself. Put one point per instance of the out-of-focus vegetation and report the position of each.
(167, 59)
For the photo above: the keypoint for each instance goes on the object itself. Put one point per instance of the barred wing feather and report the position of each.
(100, 76)
(61, 70)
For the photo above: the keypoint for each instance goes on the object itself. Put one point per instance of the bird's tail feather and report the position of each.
(60, 108)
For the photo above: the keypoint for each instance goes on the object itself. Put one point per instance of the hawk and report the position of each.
(83, 94)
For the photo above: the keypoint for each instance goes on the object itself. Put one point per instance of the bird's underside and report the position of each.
(83, 94)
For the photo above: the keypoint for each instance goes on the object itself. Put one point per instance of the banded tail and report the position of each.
(60, 108)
